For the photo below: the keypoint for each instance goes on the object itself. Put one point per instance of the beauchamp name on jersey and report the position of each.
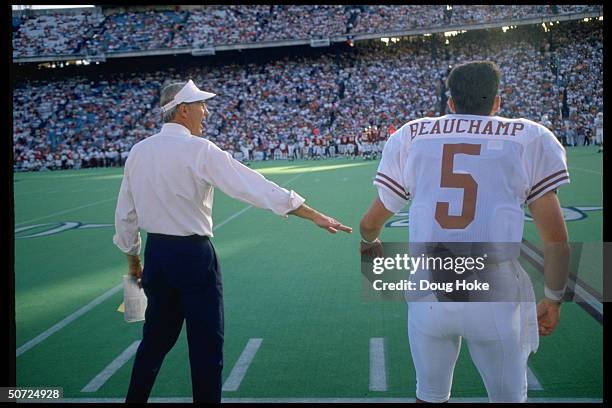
(446, 125)
(474, 175)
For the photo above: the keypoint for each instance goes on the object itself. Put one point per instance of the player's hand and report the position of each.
(374, 250)
(330, 224)
(549, 313)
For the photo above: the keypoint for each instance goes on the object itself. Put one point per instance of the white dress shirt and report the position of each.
(168, 182)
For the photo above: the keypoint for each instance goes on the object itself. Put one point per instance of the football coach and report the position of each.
(167, 190)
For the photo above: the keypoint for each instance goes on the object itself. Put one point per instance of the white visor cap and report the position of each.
(189, 93)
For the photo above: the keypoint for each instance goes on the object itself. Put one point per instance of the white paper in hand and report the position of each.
(134, 299)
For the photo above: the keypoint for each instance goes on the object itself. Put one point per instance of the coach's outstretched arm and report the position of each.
(548, 217)
(321, 220)
(221, 170)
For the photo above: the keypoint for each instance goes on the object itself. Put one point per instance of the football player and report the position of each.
(468, 175)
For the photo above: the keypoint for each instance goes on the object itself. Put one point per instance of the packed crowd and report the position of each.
(54, 34)
(240, 24)
(139, 31)
(580, 68)
(373, 19)
(81, 120)
(91, 33)
(312, 107)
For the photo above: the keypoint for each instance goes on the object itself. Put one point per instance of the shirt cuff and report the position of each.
(128, 250)
(295, 201)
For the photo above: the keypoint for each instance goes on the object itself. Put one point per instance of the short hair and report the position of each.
(167, 94)
(473, 87)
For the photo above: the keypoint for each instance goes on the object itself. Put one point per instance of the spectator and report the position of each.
(263, 106)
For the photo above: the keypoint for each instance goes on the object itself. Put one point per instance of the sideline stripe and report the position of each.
(58, 326)
(582, 297)
(66, 211)
(592, 291)
(315, 400)
(242, 365)
(532, 381)
(378, 371)
(99, 380)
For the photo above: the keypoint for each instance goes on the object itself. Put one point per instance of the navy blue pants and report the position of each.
(182, 281)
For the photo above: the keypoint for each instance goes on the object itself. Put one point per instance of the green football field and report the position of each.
(297, 326)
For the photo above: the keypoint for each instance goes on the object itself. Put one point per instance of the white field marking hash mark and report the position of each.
(66, 321)
(99, 380)
(378, 371)
(242, 365)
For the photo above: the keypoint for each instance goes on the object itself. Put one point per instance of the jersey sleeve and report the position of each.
(546, 164)
(388, 179)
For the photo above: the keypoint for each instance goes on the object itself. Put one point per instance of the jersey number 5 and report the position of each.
(456, 180)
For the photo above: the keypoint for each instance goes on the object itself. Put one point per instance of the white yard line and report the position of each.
(242, 365)
(65, 322)
(236, 215)
(99, 380)
(66, 211)
(189, 400)
(378, 370)
(592, 301)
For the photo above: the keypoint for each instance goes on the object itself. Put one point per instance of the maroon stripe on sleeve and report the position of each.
(392, 188)
(395, 183)
(547, 187)
(544, 180)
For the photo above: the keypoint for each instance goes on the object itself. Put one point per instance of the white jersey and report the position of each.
(468, 176)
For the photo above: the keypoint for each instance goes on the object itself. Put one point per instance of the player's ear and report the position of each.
(496, 104)
(451, 104)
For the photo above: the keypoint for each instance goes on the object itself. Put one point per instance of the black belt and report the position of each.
(179, 237)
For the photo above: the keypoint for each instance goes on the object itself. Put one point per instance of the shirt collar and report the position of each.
(175, 128)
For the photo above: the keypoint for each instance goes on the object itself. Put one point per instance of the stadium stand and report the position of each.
(239, 24)
(91, 32)
(79, 122)
(54, 34)
(140, 31)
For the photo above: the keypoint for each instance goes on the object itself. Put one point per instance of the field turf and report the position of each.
(286, 282)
